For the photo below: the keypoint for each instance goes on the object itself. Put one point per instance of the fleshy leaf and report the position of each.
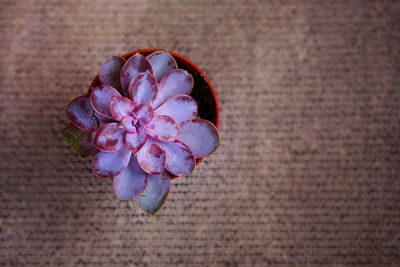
(120, 107)
(182, 108)
(200, 136)
(163, 128)
(100, 99)
(151, 157)
(155, 194)
(144, 112)
(179, 158)
(135, 65)
(161, 62)
(102, 119)
(130, 182)
(80, 112)
(80, 141)
(109, 137)
(135, 140)
(110, 164)
(175, 82)
(143, 88)
(110, 72)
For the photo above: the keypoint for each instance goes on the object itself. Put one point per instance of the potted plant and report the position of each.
(149, 116)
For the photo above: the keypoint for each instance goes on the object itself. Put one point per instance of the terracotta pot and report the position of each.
(202, 91)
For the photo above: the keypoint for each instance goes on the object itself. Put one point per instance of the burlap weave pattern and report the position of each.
(309, 166)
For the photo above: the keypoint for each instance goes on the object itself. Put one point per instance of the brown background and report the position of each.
(308, 171)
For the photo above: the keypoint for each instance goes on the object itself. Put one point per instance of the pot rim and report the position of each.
(203, 75)
(147, 51)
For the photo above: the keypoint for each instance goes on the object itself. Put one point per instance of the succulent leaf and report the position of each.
(163, 128)
(179, 158)
(161, 62)
(120, 107)
(130, 182)
(155, 194)
(110, 72)
(151, 157)
(80, 141)
(135, 141)
(110, 164)
(143, 88)
(182, 108)
(81, 113)
(200, 136)
(144, 112)
(175, 82)
(133, 66)
(100, 99)
(102, 119)
(109, 137)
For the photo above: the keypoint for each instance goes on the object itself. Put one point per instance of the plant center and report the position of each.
(131, 124)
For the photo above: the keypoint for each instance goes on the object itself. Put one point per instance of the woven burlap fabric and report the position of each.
(308, 170)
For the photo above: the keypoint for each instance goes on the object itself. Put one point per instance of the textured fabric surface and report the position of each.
(308, 170)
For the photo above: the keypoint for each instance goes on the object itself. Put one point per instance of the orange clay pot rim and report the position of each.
(151, 50)
(176, 55)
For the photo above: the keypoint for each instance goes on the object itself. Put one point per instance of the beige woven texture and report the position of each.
(308, 170)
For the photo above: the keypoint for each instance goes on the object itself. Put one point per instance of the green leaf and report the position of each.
(80, 141)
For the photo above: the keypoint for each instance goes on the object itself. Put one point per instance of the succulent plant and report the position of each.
(142, 127)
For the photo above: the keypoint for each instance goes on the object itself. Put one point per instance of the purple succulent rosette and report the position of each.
(141, 125)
